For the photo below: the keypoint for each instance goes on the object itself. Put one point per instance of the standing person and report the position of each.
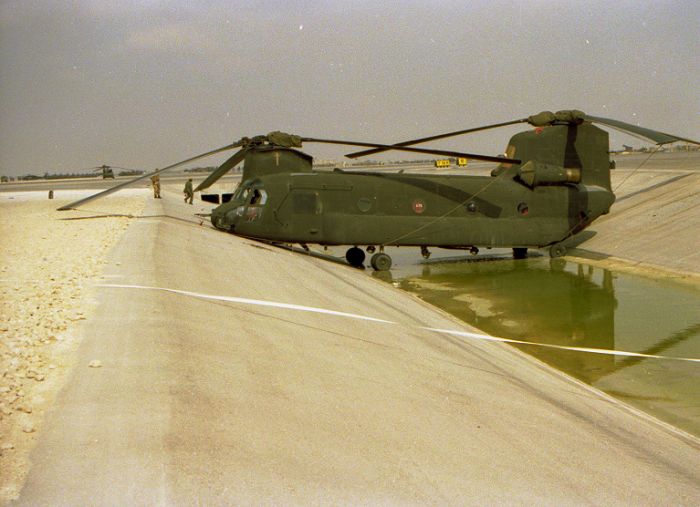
(155, 181)
(189, 193)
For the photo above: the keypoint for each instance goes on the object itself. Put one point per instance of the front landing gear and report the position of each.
(557, 250)
(355, 257)
(381, 262)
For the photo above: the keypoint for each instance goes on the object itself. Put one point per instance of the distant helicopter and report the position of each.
(558, 185)
(108, 171)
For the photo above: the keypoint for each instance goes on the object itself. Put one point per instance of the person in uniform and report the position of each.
(155, 181)
(189, 193)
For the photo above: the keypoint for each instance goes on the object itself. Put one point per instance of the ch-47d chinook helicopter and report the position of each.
(551, 184)
(107, 171)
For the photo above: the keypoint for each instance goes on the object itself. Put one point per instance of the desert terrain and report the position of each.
(150, 359)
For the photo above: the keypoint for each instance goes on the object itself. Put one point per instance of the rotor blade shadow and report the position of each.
(197, 222)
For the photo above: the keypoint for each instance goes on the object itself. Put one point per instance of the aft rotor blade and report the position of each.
(111, 190)
(443, 153)
(222, 169)
(653, 135)
(436, 137)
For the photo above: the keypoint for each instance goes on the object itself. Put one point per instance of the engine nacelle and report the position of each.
(534, 174)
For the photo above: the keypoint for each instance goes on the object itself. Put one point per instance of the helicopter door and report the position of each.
(306, 208)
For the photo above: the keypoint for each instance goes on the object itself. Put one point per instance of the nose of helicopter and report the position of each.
(226, 216)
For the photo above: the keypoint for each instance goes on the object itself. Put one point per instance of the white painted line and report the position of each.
(462, 334)
(475, 336)
(257, 302)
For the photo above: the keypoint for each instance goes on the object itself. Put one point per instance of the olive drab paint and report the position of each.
(561, 185)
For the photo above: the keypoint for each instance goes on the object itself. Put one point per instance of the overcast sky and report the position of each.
(147, 83)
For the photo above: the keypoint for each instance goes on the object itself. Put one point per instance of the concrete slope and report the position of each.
(221, 403)
(655, 222)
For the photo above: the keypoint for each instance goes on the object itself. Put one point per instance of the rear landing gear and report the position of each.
(381, 262)
(355, 257)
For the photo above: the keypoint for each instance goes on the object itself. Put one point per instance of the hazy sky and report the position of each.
(148, 83)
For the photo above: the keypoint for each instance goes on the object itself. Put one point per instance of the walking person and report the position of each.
(189, 193)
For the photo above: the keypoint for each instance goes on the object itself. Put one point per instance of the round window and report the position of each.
(364, 204)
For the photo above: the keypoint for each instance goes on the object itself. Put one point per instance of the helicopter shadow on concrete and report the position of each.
(307, 251)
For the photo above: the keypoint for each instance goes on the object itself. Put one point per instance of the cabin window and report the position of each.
(364, 204)
(306, 203)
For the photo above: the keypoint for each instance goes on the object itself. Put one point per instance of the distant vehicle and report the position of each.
(442, 163)
(462, 162)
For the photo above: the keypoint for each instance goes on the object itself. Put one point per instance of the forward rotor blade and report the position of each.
(443, 153)
(222, 169)
(653, 135)
(111, 190)
(433, 138)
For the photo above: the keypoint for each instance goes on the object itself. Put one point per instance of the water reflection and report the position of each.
(558, 302)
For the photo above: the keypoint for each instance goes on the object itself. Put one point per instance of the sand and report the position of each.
(47, 264)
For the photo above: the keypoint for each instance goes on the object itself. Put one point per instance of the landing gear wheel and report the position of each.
(381, 262)
(557, 251)
(519, 253)
(355, 257)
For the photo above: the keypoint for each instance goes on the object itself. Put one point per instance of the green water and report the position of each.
(565, 303)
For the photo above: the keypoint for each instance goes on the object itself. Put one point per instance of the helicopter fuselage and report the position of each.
(339, 208)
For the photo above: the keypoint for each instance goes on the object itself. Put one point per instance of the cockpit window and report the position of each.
(259, 197)
(241, 193)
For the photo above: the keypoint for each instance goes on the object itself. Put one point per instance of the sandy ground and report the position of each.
(47, 264)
